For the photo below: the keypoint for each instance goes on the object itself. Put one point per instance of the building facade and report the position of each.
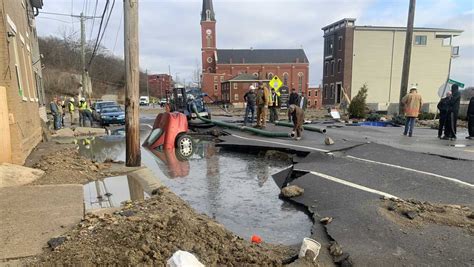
(221, 65)
(21, 91)
(372, 55)
(159, 84)
(315, 97)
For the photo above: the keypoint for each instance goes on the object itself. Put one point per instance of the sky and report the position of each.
(170, 30)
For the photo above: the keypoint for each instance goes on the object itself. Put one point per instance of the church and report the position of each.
(227, 73)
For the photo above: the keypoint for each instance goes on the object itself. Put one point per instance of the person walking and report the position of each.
(262, 101)
(297, 115)
(412, 104)
(292, 100)
(443, 107)
(70, 109)
(470, 119)
(53, 106)
(274, 106)
(250, 99)
(453, 113)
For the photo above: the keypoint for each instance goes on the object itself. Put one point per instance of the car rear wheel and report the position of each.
(184, 145)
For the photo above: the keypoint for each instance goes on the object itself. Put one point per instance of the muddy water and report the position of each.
(235, 189)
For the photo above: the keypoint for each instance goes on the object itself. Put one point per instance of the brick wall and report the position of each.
(23, 105)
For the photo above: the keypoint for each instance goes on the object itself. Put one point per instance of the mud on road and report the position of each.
(149, 232)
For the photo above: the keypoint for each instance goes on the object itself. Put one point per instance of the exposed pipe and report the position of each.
(306, 127)
(243, 128)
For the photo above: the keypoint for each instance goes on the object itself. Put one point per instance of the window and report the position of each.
(325, 91)
(326, 69)
(235, 86)
(215, 88)
(255, 74)
(24, 67)
(17, 68)
(309, 92)
(329, 46)
(222, 78)
(215, 79)
(339, 43)
(208, 15)
(332, 67)
(332, 91)
(209, 60)
(315, 92)
(285, 78)
(300, 81)
(270, 75)
(209, 69)
(315, 103)
(339, 65)
(420, 39)
(236, 97)
(208, 41)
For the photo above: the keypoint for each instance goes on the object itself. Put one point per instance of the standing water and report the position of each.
(235, 189)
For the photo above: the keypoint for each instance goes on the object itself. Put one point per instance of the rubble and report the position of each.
(292, 191)
(14, 175)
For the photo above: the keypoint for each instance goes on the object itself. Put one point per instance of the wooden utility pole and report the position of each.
(83, 56)
(132, 76)
(407, 55)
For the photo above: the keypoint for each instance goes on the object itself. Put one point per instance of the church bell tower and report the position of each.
(208, 37)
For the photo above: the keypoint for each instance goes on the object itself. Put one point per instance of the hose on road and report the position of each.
(306, 127)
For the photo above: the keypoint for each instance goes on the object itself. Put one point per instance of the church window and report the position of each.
(209, 69)
(215, 79)
(208, 41)
(285, 78)
(209, 60)
(208, 15)
(215, 89)
(300, 82)
(270, 75)
(255, 74)
(222, 78)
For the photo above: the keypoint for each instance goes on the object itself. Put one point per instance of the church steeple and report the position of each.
(207, 13)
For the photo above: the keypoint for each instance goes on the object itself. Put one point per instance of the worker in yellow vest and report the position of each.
(70, 109)
(274, 104)
(85, 113)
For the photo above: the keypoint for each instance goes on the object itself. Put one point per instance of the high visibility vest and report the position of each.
(71, 107)
(83, 106)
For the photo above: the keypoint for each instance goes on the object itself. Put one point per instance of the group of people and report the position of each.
(59, 108)
(261, 100)
(448, 110)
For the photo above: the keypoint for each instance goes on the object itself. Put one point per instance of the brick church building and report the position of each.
(221, 66)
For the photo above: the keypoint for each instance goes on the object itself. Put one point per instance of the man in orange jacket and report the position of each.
(412, 103)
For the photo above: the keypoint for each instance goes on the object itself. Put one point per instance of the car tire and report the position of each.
(184, 146)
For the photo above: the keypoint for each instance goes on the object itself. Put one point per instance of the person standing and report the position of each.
(302, 101)
(60, 105)
(70, 109)
(443, 107)
(470, 119)
(292, 100)
(53, 106)
(297, 115)
(274, 106)
(263, 97)
(412, 103)
(453, 113)
(84, 113)
(250, 98)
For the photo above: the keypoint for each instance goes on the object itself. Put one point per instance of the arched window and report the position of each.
(300, 82)
(209, 69)
(208, 41)
(285, 78)
(208, 15)
(270, 75)
(255, 74)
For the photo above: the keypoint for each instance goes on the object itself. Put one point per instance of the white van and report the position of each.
(144, 101)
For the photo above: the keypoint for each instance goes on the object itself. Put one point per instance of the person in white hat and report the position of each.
(412, 103)
(250, 99)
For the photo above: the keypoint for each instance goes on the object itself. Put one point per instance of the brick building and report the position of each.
(158, 84)
(315, 97)
(233, 90)
(21, 91)
(222, 65)
(373, 55)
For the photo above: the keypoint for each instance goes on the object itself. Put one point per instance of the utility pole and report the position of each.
(147, 89)
(83, 55)
(407, 55)
(132, 77)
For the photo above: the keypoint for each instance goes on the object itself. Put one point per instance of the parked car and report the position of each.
(112, 115)
(97, 108)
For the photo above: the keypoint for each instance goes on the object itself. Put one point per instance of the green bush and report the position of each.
(426, 116)
(399, 119)
(374, 117)
(358, 106)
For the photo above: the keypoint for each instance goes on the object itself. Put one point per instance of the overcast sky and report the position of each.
(170, 29)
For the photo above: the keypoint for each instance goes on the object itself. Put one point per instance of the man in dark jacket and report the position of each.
(453, 112)
(470, 118)
(250, 98)
(443, 107)
(292, 100)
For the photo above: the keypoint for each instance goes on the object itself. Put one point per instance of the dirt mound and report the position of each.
(66, 166)
(417, 213)
(150, 231)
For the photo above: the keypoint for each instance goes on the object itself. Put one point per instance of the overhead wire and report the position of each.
(93, 21)
(118, 31)
(96, 45)
(94, 53)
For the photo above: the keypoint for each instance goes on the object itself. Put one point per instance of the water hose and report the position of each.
(243, 128)
(306, 127)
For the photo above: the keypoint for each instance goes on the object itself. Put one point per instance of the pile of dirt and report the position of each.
(150, 231)
(417, 213)
(66, 166)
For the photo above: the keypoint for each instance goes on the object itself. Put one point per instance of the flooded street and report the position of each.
(235, 189)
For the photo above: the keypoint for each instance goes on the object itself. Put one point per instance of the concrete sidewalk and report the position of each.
(31, 215)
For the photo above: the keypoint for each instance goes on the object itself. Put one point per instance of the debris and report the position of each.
(326, 220)
(343, 257)
(411, 214)
(471, 216)
(335, 249)
(276, 155)
(183, 259)
(127, 213)
(14, 175)
(53, 243)
(309, 245)
(292, 191)
(328, 141)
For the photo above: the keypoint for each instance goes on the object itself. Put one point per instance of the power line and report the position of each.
(93, 21)
(68, 15)
(97, 42)
(118, 31)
